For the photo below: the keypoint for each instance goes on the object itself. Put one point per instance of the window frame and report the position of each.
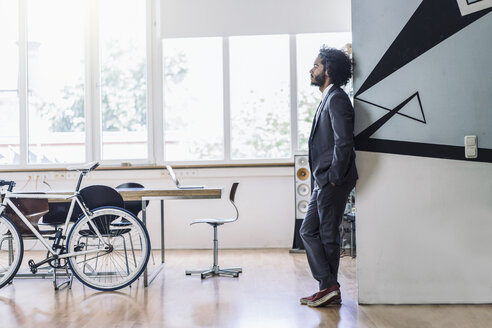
(93, 133)
(227, 112)
(155, 111)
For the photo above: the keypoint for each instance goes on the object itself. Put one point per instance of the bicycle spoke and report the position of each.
(123, 263)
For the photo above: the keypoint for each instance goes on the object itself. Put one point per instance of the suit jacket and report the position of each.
(331, 143)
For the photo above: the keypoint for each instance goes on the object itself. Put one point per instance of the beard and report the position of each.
(319, 80)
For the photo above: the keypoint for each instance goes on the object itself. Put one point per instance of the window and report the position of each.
(260, 97)
(308, 97)
(123, 79)
(193, 99)
(9, 100)
(255, 95)
(74, 87)
(56, 81)
(78, 70)
(196, 99)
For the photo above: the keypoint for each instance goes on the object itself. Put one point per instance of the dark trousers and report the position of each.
(320, 234)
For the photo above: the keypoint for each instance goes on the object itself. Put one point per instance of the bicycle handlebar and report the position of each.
(11, 184)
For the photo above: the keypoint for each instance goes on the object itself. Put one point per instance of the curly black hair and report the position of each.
(338, 65)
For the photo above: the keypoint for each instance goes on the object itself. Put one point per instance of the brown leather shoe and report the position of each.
(305, 300)
(329, 296)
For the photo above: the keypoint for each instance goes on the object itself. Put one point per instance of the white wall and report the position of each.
(192, 18)
(265, 199)
(423, 230)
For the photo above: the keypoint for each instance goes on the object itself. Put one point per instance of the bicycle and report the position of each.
(96, 246)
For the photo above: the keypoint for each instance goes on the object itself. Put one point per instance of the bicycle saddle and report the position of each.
(86, 168)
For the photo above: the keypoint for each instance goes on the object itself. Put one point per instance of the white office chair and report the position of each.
(215, 270)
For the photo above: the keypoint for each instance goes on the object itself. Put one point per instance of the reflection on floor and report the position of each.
(265, 295)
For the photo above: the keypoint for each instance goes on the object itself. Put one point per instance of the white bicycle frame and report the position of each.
(75, 199)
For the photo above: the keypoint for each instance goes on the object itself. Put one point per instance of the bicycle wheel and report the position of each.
(11, 250)
(116, 258)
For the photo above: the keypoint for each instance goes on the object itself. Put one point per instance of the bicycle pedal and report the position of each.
(32, 266)
(80, 247)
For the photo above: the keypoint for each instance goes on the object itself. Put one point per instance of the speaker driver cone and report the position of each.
(302, 161)
(303, 206)
(303, 174)
(303, 189)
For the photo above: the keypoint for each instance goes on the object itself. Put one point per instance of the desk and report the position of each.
(160, 194)
(165, 194)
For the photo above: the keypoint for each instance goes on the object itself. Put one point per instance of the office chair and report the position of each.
(215, 270)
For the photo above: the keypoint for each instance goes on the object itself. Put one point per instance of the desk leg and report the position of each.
(162, 230)
(156, 271)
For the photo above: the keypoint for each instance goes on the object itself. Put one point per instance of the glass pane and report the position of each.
(193, 111)
(56, 81)
(123, 79)
(9, 67)
(260, 97)
(308, 97)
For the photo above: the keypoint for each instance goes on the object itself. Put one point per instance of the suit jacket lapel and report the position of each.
(315, 120)
(318, 112)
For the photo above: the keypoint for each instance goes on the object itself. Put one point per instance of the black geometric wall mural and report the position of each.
(432, 23)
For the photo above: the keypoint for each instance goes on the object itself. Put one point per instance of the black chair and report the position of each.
(98, 196)
(133, 206)
(94, 196)
(215, 270)
(57, 213)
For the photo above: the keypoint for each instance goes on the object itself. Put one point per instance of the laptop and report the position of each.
(176, 181)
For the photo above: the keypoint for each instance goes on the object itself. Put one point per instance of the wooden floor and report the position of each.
(265, 295)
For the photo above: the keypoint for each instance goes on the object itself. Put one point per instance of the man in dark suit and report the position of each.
(332, 163)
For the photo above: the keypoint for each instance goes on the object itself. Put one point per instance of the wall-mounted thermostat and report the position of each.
(471, 147)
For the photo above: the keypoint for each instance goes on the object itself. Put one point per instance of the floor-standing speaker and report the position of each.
(302, 184)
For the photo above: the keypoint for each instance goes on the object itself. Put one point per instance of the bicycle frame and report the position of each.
(75, 199)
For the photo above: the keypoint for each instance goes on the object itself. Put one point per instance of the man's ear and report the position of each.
(327, 77)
